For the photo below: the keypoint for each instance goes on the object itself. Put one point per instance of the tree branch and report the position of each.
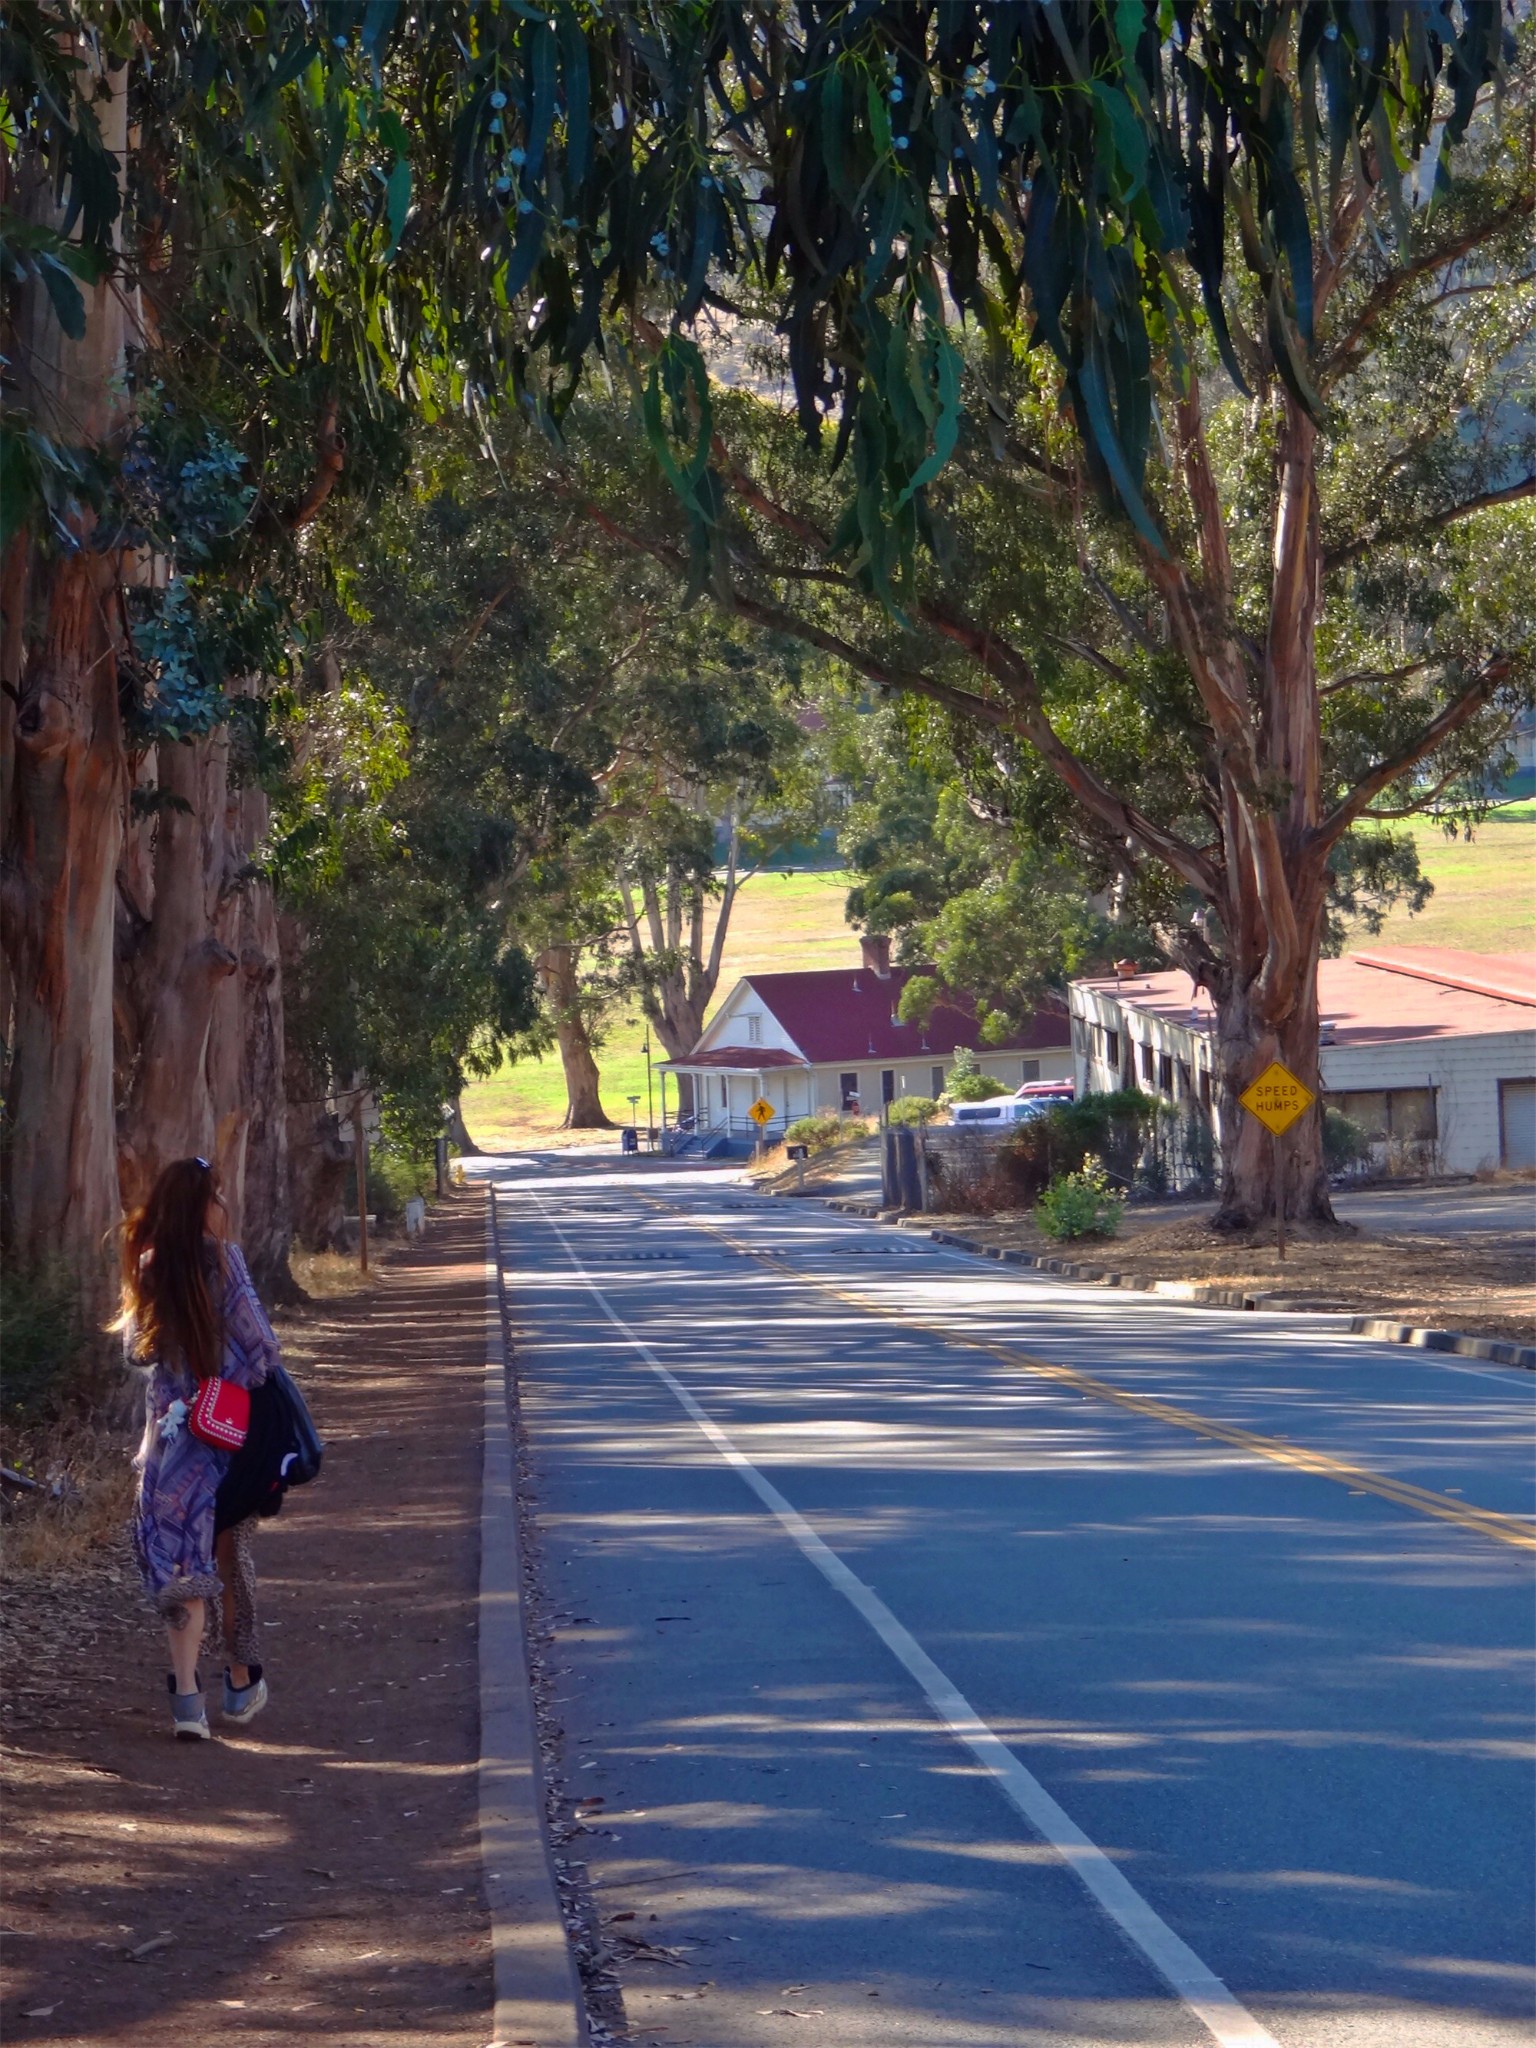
(329, 458)
(1352, 678)
(1342, 356)
(1439, 729)
(1024, 716)
(1347, 551)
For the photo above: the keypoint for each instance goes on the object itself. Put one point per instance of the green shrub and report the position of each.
(1344, 1141)
(912, 1109)
(822, 1129)
(1112, 1128)
(393, 1178)
(1080, 1204)
(967, 1083)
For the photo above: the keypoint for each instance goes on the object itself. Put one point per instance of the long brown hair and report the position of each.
(168, 1301)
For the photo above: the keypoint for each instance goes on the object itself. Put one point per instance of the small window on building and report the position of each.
(1146, 1063)
(936, 1082)
(1185, 1080)
(1031, 1070)
(1165, 1072)
(1205, 1087)
(848, 1090)
(1407, 1114)
(754, 1029)
(1112, 1048)
(725, 1092)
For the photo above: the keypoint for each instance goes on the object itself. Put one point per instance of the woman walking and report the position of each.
(191, 1313)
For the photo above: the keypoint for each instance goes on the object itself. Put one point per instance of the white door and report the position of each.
(1517, 1123)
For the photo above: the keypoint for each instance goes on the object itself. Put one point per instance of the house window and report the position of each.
(1186, 1086)
(1031, 1070)
(1147, 1069)
(848, 1090)
(754, 1029)
(725, 1092)
(1112, 1048)
(936, 1082)
(1407, 1114)
(1165, 1072)
(1205, 1087)
(887, 1084)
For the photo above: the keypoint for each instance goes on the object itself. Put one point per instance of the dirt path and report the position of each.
(316, 1875)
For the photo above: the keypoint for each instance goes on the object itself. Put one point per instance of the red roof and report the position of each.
(1509, 976)
(841, 1015)
(1374, 998)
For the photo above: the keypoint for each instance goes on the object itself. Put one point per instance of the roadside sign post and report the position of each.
(762, 1114)
(1276, 1099)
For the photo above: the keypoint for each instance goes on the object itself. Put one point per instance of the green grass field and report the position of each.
(1485, 890)
(1484, 900)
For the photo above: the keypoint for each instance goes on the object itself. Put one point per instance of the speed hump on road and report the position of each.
(762, 1112)
(1277, 1098)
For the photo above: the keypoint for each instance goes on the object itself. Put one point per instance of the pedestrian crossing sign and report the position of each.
(1277, 1098)
(762, 1112)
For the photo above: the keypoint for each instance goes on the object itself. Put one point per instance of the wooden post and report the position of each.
(1278, 1168)
(360, 1153)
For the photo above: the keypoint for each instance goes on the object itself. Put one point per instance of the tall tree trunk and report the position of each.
(561, 989)
(245, 1063)
(319, 1157)
(63, 824)
(458, 1132)
(176, 955)
(1276, 867)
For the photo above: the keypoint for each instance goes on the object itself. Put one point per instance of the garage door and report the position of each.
(1517, 1123)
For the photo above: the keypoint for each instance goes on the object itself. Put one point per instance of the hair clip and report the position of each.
(203, 1163)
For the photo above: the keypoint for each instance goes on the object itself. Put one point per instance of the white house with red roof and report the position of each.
(831, 1039)
(1430, 1049)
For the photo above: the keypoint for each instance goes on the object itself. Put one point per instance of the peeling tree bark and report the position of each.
(177, 951)
(63, 822)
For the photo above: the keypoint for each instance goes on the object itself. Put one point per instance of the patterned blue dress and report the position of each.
(178, 1474)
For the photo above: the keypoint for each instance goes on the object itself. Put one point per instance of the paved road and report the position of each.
(1443, 1211)
(860, 1614)
(1453, 1210)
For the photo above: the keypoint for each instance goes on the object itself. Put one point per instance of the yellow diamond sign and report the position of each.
(764, 1112)
(1277, 1098)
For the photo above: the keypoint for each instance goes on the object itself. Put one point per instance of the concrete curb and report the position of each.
(538, 1998)
(1380, 1329)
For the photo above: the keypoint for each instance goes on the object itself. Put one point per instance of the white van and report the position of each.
(1032, 1100)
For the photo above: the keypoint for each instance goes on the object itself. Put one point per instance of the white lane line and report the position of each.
(1201, 1990)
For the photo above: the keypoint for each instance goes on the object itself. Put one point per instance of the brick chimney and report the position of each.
(876, 949)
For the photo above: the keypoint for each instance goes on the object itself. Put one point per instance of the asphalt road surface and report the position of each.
(953, 1656)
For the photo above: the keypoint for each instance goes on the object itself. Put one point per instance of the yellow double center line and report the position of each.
(1500, 1528)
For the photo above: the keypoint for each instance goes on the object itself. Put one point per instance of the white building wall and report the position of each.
(731, 1024)
(1465, 1073)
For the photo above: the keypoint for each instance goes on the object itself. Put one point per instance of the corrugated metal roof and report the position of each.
(1373, 998)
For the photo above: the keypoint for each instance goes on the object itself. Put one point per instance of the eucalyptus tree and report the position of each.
(1178, 358)
(462, 204)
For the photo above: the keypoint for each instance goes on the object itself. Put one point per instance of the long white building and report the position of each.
(1432, 1051)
